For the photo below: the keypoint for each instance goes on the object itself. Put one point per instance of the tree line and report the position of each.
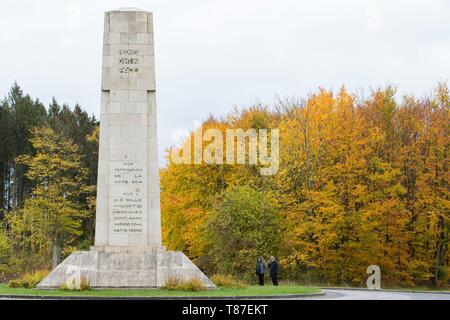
(359, 183)
(48, 158)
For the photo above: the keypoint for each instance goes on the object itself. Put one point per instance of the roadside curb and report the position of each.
(284, 296)
(384, 290)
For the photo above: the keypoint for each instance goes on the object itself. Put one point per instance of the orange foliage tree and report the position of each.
(359, 183)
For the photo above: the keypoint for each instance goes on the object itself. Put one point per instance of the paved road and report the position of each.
(335, 294)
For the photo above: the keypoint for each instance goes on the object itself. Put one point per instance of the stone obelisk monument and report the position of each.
(128, 250)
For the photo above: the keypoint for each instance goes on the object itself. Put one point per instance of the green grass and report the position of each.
(221, 292)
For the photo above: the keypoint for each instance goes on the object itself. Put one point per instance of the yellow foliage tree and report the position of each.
(52, 217)
(359, 183)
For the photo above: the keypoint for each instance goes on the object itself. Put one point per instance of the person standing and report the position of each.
(260, 270)
(273, 266)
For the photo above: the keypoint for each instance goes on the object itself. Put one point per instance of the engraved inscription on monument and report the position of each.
(128, 205)
(128, 61)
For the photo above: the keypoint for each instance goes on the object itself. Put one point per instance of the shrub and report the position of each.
(244, 225)
(29, 280)
(15, 283)
(194, 284)
(228, 281)
(172, 284)
(85, 285)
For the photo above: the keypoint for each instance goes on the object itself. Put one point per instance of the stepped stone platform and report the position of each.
(115, 268)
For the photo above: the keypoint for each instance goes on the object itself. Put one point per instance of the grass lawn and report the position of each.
(221, 292)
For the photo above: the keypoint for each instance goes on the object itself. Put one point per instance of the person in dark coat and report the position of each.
(260, 270)
(273, 266)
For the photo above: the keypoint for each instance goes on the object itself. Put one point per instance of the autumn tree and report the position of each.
(244, 226)
(360, 183)
(52, 217)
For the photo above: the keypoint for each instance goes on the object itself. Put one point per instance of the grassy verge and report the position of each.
(221, 292)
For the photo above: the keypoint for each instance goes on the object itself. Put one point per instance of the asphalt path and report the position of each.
(336, 294)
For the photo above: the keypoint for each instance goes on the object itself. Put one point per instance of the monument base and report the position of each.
(115, 268)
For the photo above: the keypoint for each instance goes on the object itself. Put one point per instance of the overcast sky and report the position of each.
(212, 55)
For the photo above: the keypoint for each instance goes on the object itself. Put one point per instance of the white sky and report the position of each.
(212, 55)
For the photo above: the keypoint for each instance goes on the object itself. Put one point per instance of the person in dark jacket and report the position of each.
(260, 270)
(273, 266)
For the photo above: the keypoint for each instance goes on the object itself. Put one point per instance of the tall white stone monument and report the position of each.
(128, 250)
